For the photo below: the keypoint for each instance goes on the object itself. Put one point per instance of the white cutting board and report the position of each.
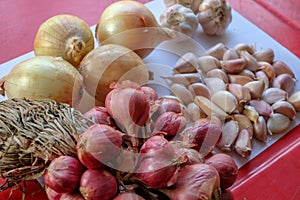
(164, 57)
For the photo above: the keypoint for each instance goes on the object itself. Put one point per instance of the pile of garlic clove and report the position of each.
(247, 89)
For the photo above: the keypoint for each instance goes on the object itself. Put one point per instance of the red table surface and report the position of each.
(274, 174)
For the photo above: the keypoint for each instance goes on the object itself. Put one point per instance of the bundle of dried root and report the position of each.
(32, 133)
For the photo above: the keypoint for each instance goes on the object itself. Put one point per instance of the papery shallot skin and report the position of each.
(128, 105)
(156, 166)
(72, 196)
(128, 196)
(203, 135)
(52, 194)
(194, 182)
(168, 105)
(98, 184)
(98, 145)
(63, 174)
(99, 115)
(186, 155)
(171, 123)
(226, 167)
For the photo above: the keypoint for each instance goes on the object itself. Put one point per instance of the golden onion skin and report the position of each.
(111, 63)
(65, 36)
(44, 77)
(133, 25)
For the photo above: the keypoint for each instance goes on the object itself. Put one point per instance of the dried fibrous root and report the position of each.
(34, 132)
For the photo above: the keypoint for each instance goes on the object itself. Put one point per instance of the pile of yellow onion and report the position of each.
(66, 61)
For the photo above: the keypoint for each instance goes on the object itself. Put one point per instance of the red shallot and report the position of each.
(71, 196)
(203, 136)
(170, 122)
(98, 184)
(98, 145)
(186, 155)
(168, 105)
(157, 165)
(129, 106)
(128, 196)
(52, 194)
(194, 182)
(63, 174)
(99, 115)
(226, 167)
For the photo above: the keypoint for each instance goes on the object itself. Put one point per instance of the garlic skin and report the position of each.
(65, 36)
(180, 19)
(214, 16)
(192, 4)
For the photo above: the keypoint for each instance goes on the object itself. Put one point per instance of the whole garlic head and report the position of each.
(192, 4)
(180, 19)
(214, 16)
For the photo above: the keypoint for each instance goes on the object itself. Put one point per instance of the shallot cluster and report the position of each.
(139, 146)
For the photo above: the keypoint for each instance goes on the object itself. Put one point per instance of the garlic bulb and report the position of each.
(65, 36)
(214, 16)
(180, 19)
(192, 4)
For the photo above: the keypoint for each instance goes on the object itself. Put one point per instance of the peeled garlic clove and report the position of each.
(285, 82)
(209, 108)
(272, 95)
(281, 67)
(244, 47)
(195, 112)
(233, 66)
(241, 93)
(187, 63)
(230, 131)
(262, 107)
(217, 73)
(260, 129)
(247, 72)
(285, 108)
(225, 100)
(217, 50)
(182, 93)
(251, 62)
(239, 79)
(184, 79)
(265, 55)
(244, 123)
(230, 54)
(251, 113)
(268, 69)
(256, 88)
(199, 89)
(207, 63)
(294, 99)
(215, 84)
(262, 76)
(278, 123)
(243, 144)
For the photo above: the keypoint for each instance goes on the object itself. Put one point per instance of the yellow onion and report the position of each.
(44, 77)
(111, 63)
(133, 25)
(65, 36)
